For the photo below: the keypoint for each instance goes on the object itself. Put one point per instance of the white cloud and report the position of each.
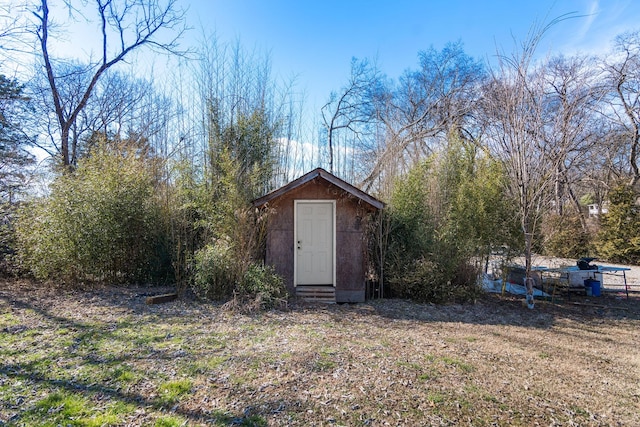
(591, 15)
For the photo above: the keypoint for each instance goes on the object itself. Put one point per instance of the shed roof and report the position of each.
(326, 176)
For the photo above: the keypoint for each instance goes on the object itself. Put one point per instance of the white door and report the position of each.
(314, 242)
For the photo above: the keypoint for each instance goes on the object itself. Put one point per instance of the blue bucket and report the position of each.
(594, 285)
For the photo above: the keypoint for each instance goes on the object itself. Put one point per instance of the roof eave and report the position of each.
(310, 176)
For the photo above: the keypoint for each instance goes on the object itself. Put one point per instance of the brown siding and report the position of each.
(350, 239)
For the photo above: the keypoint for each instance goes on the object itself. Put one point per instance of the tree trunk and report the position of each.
(529, 280)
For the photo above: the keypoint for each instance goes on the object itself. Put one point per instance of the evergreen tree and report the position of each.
(14, 158)
(15, 161)
(620, 233)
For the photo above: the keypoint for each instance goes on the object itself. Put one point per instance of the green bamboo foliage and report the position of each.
(100, 223)
(444, 219)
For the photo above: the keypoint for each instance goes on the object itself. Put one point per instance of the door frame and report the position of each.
(295, 236)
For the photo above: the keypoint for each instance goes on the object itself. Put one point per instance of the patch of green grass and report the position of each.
(170, 421)
(313, 333)
(264, 335)
(137, 337)
(67, 409)
(544, 355)
(325, 361)
(39, 364)
(202, 366)
(171, 392)
(579, 411)
(471, 389)
(223, 419)
(253, 421)
(429, 372)
(63, 331)
(427, 376)
(491, 398)
(465, 367)
(409, 365)
(8, 319)
(436, 398)
(324, 364)
(31, 333)
(125, 375)
(465, 403)
(245, 377)
(215, 342)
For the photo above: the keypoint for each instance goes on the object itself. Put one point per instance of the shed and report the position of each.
(316, 236)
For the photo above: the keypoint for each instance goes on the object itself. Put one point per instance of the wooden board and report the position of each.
(159, 299)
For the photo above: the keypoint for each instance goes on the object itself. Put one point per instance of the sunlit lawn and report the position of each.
(105, 358)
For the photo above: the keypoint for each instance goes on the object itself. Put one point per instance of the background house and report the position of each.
(595, 209)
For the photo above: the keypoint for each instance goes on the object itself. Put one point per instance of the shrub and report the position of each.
(8, 265)
(565, 237)
(214, 275)
(261, 284)
(100, 223)
(439, 281)
(444, 217)
(217, 276)
(619, 238)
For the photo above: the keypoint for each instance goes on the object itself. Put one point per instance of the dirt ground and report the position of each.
(384, 362)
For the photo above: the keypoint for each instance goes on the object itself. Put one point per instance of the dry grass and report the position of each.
(103, 357)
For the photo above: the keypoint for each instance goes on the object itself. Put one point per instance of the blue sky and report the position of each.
(315, 40)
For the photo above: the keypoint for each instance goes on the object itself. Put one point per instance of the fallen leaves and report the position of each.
(381, 363)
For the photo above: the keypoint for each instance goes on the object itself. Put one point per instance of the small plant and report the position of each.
(170, 421)
(214, 276)
(263, 285)
(171, 391)
(465, 367)
(62, 408)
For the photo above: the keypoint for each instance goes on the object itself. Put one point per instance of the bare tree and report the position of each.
(426, 105)
(239, 105)
(350, 109)
(572, 94)
(513, 108)
(125, 26)
(623, 72)
(13, 28)
(120, 107)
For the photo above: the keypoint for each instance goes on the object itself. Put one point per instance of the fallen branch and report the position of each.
(587, 304)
